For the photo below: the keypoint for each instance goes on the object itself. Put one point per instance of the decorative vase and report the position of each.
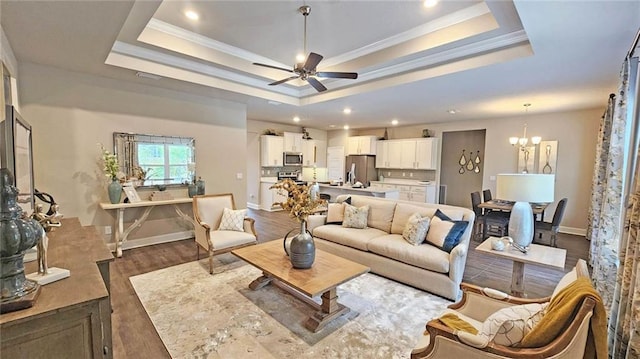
(115, 191)
(193, 189)
(301, 249)
(200, 186)
(16, 236)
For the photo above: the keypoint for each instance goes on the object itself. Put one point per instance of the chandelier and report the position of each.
(524, 140)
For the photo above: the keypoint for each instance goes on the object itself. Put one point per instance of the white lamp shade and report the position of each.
(517, 187)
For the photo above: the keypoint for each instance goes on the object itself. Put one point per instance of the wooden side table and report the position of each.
(537, 254)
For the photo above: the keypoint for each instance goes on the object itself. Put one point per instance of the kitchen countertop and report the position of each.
(367, 189)
(405, 182)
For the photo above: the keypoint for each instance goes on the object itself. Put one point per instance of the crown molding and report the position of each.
(210, 43)
(454, 18)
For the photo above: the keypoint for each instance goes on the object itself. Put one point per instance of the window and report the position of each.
(166, 159)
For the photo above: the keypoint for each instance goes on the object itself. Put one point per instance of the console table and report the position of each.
(121, 234)
(71, 317)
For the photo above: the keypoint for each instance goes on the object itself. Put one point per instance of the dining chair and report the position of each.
(554, 226)
(486, 195)
(490, 223)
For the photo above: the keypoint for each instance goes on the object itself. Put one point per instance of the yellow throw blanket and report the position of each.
(561, 309)
(454, 322)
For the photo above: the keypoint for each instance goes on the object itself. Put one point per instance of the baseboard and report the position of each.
(572, 230)
(149, 241)
(253, 205)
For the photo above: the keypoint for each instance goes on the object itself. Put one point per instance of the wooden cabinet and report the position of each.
(314, 152)
(71, 317)
(271, 149)
(292, 142)
(408, 192)
(361, 145)
(426, 154)
(420, 154)
(270, 196)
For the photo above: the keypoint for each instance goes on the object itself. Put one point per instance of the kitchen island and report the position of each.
(335, 191)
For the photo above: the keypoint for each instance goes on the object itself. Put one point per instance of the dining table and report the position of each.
(506, 206)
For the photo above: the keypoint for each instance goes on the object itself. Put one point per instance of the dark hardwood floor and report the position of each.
(135, 337)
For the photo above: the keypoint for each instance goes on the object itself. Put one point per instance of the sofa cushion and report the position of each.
(424, 256)
(444, 232)
(351, 237)
(380, 212)
(404, 211)
(416, 229)
(335, 213)
(355, 217)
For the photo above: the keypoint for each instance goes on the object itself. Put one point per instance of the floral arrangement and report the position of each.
(299, 202)
(110, 161)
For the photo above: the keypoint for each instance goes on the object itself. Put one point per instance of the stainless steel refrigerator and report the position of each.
(363, 167)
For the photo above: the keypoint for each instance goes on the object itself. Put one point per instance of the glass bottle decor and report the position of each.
(115, 191)
(192, 189)
(200, 186)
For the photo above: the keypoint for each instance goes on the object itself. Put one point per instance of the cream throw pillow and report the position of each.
(509, 325)
(335, 213)
(355, 217)
(416, 229)
(232, 220)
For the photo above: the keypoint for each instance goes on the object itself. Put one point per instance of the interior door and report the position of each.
(455, 179)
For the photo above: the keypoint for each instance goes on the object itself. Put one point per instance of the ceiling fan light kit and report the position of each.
(307, 71)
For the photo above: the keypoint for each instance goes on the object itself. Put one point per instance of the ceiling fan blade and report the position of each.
(273, 67)
(316, 84)
(338, 75)
(283, 80)
(312, 61)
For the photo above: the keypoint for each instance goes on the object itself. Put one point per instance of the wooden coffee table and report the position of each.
(328, 272)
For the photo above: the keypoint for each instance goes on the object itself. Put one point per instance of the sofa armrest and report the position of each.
(315, 220)
(457, 261)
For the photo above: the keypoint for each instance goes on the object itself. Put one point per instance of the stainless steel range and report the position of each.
(293, 175)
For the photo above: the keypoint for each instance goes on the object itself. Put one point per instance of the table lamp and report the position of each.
(524, 189)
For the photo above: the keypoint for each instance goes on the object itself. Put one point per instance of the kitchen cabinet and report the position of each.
(271, 149)
(292, 142)
(411, 193)
(426, 154)
(270, 196)
(314, 152)
(418, 154)
(361, 145)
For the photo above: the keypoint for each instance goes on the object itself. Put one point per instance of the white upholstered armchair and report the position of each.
(219, 227)
(478, 304)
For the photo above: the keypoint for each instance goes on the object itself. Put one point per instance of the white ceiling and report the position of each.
(483, 58)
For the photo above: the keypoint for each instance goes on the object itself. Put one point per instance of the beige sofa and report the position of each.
(381, 246)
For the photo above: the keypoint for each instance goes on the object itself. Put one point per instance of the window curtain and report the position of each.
(606, 211)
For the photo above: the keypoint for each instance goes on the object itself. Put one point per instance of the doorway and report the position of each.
(461, 166)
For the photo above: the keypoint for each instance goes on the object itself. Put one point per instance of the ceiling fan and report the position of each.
(307, 71)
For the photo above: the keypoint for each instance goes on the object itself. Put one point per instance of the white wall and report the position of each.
(72, 112)
(575, 131)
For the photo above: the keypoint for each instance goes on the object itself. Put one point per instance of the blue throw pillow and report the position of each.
(455, 233)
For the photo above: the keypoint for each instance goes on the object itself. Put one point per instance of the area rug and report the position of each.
(199, 315)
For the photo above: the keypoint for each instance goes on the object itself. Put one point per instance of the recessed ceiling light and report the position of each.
(332, 126)
(300, 58)
(192, 15)
(296, 119)
(430, 3)
(394, 122)
(452, 111)
(275, 103)
(346, 127)
(346, 110)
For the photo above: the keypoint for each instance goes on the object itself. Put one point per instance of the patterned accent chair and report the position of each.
(207, 212)
(478, 304)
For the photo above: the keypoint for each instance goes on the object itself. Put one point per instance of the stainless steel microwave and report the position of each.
(292, 159)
